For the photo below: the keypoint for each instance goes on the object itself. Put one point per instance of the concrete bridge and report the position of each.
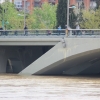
(47, 55)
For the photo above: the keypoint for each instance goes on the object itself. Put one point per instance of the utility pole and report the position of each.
(67, 13)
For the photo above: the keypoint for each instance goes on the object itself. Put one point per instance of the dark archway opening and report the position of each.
(19, 57)
(13, 65)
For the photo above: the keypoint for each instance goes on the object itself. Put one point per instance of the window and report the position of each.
(18, 4)
(27, 4)
(52, 2)
(92, 4)
(36, 4)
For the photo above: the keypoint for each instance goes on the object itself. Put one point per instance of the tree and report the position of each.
(1, 17)
(44, 17)
(72, 18)
(9, 16)
(80, 15)
(91, 19)
(62, 13)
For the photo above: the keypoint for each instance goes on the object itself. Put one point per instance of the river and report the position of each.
(15, 87)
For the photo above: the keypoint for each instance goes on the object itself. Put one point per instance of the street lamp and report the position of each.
(72, 7)
(67, 13)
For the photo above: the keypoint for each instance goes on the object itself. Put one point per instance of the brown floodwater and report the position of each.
(15, 87)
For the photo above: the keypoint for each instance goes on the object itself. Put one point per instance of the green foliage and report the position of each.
(10, 14)
(91, 19)
(0, 11)
(45, 17)
(62, 13)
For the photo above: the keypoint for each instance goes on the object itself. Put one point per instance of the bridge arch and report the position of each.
(80, 54)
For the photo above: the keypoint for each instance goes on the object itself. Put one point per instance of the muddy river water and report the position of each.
(15, 87)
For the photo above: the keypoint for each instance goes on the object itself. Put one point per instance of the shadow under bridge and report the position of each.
(13, 65)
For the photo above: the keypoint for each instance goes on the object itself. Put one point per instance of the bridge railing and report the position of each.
(48, 32)
(84, 31)
(33, 32)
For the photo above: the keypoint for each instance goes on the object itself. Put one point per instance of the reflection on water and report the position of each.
(14, 87)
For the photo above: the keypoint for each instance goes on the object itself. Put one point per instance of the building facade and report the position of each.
(30, 4)
(87, 3)
(1, 1)
(18, 4)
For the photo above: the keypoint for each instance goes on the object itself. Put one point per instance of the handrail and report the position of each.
(30, 29)
(33, 32)
(85, 29)
(50, 32)
(53, 29)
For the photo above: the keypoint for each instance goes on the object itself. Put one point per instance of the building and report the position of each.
(18, 4)
(30, 4)
(87, 3)
(1, 1)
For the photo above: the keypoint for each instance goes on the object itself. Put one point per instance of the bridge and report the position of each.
(47, 53)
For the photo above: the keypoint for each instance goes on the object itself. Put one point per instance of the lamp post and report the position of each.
(67, 13)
